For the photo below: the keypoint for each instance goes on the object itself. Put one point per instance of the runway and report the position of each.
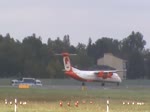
(73, 84)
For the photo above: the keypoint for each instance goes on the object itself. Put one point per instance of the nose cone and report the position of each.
(119, 79)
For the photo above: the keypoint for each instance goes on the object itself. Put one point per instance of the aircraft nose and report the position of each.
(119, 79)
(116, 76)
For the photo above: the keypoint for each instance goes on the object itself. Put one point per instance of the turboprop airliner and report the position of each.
(102, 76)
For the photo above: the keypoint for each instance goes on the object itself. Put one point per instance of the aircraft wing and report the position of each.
(108, 71)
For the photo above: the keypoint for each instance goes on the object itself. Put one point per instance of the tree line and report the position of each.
(33, 58)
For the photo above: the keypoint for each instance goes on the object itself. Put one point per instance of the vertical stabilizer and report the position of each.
(66, 60)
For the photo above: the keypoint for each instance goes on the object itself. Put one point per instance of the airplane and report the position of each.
(102, 76)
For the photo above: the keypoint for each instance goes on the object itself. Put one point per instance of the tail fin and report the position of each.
(66, 61)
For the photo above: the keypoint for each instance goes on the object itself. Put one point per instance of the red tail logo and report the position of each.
(67, 63)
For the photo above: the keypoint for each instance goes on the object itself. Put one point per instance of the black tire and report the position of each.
(103, 84)
(83, 84)
(118, 83)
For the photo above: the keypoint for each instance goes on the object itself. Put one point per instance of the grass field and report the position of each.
(47, 99)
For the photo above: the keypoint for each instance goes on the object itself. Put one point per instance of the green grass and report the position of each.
(47, 100)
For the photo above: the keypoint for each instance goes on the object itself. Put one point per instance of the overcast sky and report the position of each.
(80, 19)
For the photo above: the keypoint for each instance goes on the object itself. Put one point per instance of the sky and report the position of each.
(80, 19)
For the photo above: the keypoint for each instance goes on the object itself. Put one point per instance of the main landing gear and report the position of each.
(83, 86)
(118, 83)
(103, 84)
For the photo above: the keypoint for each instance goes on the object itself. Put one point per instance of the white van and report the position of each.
(14, 83)
(38, 82)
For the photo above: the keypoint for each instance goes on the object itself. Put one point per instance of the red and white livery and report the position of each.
(89, 76)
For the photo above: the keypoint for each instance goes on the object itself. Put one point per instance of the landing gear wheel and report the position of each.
(118, 83)
(103, 84)
(83, 86)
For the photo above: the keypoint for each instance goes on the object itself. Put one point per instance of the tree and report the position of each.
(10, 56)
(133, 43)
(132, 48)
(66, 42)
(135, 69)
(31, 46)
(33, 57)
(82, 60)
(147, 63)
(106, 45)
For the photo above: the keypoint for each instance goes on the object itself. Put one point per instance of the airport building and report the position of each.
(110, 60)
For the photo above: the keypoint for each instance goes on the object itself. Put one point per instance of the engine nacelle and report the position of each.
(105, 75)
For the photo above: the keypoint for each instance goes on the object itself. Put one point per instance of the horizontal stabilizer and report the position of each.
(65, 54)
